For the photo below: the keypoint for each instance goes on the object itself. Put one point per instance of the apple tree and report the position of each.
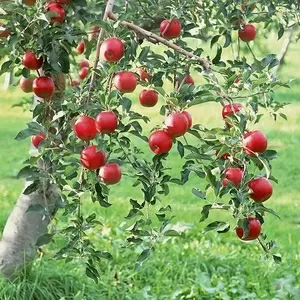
(86, 132)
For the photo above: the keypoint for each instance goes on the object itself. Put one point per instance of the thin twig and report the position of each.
(109, 6)
(205, 63)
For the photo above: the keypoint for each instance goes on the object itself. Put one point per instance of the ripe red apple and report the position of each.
(144, 75)
(94, 32)
(248, 33)
(235, 175)
(112, 50)
(31, 61)
(106, 122)
(224, 156)
(92, 159)
(189, 118)
(170, 28)
(85, 128)
(43, 87)
(125, 82)
(81, 47)
(176, 124)
(254, 229)
(110, 173)
(37, 139)
(254, 141)
(231, 109)
(3, 32)
(74, 82)
(59, 11)
(148, 98)
(29, 2)
(84, 64)
(261, 189)
(160, 142)
(26, 84)
(83, 73)
(189, 80)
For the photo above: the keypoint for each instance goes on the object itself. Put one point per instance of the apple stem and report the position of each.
(205, 63)
(108, 10)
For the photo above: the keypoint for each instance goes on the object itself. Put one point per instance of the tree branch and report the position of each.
(284, 49)
(109, 6)
(153, 36)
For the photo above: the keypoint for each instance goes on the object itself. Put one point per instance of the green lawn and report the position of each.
(196, 267)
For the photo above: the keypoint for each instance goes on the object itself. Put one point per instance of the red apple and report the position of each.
(74, 82)
(43, 87)
(31, 61)
(110, 173)
(83, 73)
(94, 32)
(125, 82)
(81, 47)
(254, 229)
(84, 64)
(189, 118)
(37, 139)
(144, 75)
(112, 50)
(224, 156)
(231, 109)
(106, 122)
(170, 28)
(92, 159)
(59, 11)
(189, 79)
(3, 32)
(26, 84)
(254, 141)
(261, 189)
(248, 33)
(148, 98)
(235, 175)
(160, 142)
(85, 128)
(176, 124)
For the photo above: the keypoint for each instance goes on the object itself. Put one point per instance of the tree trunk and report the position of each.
(284, 49)
(23, 228)
(8, 80)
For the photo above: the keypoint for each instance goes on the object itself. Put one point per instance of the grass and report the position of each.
(196, 267)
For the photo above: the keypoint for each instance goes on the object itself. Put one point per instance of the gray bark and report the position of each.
(284, 49)
(8, 80)
(22, 230)
(18, 244)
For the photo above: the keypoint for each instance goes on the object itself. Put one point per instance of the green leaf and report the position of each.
(32, 187)
(220, 227)
(172, 232)
(280, 31)
(142, 258)
(205, 212)
(133, 212)
(36, 208)
(44, 239)
(180, 149)
(277, 258)
(199, 193)
(217, 58)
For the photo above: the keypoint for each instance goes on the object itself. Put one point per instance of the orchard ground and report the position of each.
(198, 266)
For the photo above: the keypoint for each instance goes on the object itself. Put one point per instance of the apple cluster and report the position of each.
(260, 188)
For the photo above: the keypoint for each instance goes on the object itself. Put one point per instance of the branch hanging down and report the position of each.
(153, 36)
(109, 6)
